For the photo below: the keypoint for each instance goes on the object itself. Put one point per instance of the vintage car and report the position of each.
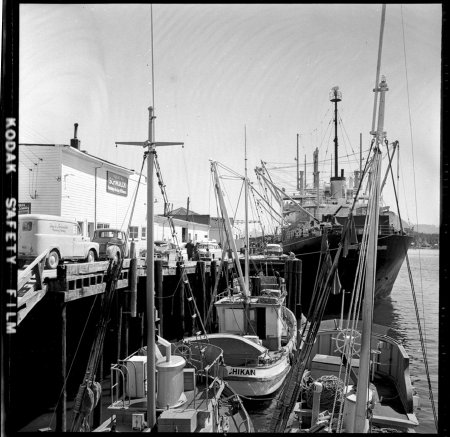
(209, 250)
(61, 236)
(164, 250)
(274, 250)
(113, 243)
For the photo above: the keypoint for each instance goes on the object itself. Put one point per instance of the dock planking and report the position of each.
(73, 281)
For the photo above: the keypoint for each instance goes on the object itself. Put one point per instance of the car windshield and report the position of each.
(208, 246)
(108, 234)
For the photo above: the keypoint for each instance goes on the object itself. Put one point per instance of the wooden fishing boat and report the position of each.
(392, 398)
(350, 375)
(256, 364)
(190, 395)
(257, 332)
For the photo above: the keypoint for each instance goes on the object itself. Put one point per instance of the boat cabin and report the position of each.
(261, 317)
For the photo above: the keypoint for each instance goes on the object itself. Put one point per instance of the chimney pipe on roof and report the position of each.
(74, 142)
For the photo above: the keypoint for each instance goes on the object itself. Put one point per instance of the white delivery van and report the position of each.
(61, 236)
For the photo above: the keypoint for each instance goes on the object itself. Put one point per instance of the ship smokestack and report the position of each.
(357, 176)
(316, 168)
(74, 142)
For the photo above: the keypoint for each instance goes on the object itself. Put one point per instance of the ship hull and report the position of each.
(391, 253)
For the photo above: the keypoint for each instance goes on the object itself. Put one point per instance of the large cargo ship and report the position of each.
(310, 210)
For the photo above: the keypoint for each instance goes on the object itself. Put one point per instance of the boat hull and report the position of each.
(257, 381)
(244, 370)
(391, 253)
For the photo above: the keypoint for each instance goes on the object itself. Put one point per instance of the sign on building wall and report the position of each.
(24, 207)
(116, 184)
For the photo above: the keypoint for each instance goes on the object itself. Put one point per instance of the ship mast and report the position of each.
(228, 228)
(336, 182)
(336, 96)
(151, 145)
(247, 246)
(361, 421)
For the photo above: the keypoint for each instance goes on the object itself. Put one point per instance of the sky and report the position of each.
(230, 77)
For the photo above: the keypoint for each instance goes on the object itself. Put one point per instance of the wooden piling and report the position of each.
(213, 275)
(201, 288)
(179, 276)
(61, 416)
(159, 293)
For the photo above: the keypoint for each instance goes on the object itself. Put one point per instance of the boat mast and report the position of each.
(150, 281)
(228, 228)
(151, 145)
(298, 170)
(247, 245)
(361, 420)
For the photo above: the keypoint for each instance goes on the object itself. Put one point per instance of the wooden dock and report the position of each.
(72, 281)
(58, 311)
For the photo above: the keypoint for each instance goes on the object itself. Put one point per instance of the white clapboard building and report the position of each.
(62, 180)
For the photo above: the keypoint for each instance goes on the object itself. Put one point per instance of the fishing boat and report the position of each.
(257, 335)
(350, 375)
(190, 395)
(257, 332)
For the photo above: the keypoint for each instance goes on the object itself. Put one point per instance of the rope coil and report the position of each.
(331, 385)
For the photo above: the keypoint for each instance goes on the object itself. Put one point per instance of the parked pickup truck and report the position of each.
(113, 243)
(61, 236)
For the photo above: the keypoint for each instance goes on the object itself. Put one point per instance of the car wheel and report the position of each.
(52, 260)
(90, 257)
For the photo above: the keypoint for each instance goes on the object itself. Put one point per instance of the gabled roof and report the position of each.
(182, 211)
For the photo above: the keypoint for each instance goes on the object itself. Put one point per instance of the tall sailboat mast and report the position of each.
(361, 419)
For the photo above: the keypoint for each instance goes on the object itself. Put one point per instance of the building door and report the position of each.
(261, 323)
(183, 235)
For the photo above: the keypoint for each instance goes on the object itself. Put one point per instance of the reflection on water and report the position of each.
(386, 314)
(398, 312)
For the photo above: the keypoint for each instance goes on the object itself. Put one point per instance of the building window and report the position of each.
(102, 225)
(143, 233)
(133, 232)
